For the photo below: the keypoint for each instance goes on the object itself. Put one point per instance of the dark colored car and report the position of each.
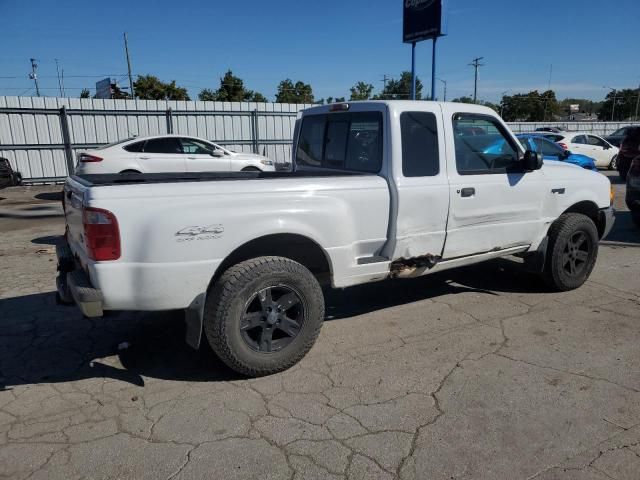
(8, 178)
(553, 151)
(629, 149)
(617, 137)
(550, 129)
(633, 181)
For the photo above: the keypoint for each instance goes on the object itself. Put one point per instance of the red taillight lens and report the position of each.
(101, 234)
(86, 158)
(564, 146)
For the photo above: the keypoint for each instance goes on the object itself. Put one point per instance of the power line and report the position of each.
(476, 64)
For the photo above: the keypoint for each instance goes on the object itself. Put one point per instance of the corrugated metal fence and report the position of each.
(40, 136)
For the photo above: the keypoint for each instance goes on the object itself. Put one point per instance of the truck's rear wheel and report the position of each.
(572, 253)
(263, 315)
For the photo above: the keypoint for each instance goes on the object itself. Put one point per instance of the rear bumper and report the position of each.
(73, 285)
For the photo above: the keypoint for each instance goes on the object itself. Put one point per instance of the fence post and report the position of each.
(169, 121)
(66, 139)
(254, 131)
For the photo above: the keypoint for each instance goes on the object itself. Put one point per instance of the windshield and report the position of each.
(620, 132)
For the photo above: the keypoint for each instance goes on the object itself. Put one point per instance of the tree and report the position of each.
(148, 87)
(258, 97)
(361, 91)
(118, 94)
(625, 106)
(231, 90)
(529, 107)
(288, 92)
(463, 99)
(207, 95)
(585, 105)
(85, 93)
(400, 89)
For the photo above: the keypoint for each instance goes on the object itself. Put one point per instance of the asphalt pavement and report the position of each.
(479, 373)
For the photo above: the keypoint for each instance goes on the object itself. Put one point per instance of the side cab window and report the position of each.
(483, 146)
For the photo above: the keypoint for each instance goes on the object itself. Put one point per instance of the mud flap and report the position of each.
(193, 318)
(534, 262)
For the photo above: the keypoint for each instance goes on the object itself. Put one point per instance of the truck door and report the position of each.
(421, 182)
(494, 204)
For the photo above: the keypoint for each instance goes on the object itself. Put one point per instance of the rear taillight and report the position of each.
(564, 146)
(101, 234)
(86, 158)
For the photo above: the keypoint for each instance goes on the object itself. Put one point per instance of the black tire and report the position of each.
(614, 163)
(572, 252)
(251, 169)
(129, 172)
(230, 326)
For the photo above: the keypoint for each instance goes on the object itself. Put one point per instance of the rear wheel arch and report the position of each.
(296, 247)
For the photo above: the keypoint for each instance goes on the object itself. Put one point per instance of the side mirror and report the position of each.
(217, 153)
(606, 147)
(566, 153)
(532, 161)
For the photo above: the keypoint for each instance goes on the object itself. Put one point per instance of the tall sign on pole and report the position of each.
(423, 20)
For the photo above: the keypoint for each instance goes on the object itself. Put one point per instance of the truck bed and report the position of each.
(98, 180)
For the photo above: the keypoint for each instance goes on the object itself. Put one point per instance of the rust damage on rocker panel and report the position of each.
(414, 266)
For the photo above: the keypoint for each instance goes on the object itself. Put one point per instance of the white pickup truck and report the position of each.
(380, 189)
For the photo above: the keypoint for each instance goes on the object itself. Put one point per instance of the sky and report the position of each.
(579, 47)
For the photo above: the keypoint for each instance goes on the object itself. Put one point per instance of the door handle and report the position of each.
(192, 158)
(144, 158)
(467, 192)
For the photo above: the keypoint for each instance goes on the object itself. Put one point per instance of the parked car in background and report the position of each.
(550, 129)
(617, 137)
(552, 151)
(628, 151)
(633, 190)
(584, 143)
(8, 177)
(168, 153)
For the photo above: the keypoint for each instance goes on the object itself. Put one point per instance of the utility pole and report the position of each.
(615, 94)
(126, 49)
(59, 81)
(385, 79)
(637, 105)
(502, 101)
(33, 76)
(476, 64)
(445, 89)
(64, 93)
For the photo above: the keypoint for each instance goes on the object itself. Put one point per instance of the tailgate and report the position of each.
(73, 202)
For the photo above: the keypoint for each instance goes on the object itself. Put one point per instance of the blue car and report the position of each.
(553, 151)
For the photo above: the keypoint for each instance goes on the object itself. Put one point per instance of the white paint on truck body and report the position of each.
(175, 235)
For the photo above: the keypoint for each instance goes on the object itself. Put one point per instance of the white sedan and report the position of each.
(584, 143)
(168, 153)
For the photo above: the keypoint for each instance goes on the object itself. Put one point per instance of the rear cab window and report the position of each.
(420, 155)
(349, 141)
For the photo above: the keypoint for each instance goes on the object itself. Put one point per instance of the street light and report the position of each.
(445, 89)
(615, 92)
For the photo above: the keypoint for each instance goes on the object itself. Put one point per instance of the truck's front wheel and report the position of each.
(263, 315)
(573, 249)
